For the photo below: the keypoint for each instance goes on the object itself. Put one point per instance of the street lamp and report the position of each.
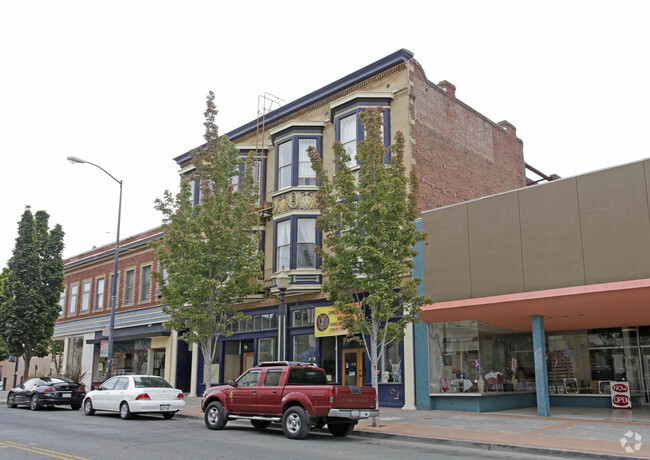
(111, 333)
(282, 282)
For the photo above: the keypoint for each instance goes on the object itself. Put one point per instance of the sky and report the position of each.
(122, 84)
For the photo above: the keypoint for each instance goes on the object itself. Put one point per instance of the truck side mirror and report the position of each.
(232, 383)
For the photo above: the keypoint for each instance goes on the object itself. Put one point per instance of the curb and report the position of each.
(493, 447)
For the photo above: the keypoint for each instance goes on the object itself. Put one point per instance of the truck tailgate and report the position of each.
(354, 397)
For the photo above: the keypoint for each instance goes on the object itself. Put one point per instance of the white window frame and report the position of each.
(72, 301)
(304, 162)
(129, 290)
(282, 246)
(99, 293)
(62, 302)
(145, 283)
(300, 243)
(283, 149)
(85, 296)
(349, 142)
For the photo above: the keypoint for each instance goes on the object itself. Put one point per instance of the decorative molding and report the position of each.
(294, 199)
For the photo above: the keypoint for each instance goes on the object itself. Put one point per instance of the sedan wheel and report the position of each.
(125, 412)
(10, 401)
(33, 403)
(168, 415)
(88, 407)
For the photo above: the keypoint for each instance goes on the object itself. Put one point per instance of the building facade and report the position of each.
(141, 343)
(541, 296)
(457, 153)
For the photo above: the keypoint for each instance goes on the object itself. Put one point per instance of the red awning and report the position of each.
(619, 304)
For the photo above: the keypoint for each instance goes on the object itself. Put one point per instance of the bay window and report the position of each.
(284, 164)
(295, 243)
(306, 243)
(283, 248)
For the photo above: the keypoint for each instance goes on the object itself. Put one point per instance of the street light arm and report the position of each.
(73, 159)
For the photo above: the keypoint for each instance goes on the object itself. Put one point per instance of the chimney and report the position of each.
(508, 127)
(449, 88)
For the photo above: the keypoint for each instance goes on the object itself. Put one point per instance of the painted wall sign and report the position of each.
(621, 395)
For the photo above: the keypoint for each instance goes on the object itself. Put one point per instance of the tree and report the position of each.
(210, 251)
(31, 287)
(369, 234)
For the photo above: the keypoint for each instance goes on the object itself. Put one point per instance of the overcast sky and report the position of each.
(123, 84)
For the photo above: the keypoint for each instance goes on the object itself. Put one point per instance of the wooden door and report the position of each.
(354, 363)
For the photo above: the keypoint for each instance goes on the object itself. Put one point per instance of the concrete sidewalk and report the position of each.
(570, 432)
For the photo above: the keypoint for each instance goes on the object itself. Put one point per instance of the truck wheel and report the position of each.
(260, 424)
(215, 416)
(341, 429)
(294, 423)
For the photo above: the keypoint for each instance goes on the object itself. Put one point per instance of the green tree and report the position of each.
(31, 287)
(369, 234)
(210, 251)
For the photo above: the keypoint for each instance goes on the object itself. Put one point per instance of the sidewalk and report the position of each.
(570, 432)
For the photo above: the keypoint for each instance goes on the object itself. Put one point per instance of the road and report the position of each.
(61, 433)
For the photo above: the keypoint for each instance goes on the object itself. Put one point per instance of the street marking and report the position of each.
(38, 450)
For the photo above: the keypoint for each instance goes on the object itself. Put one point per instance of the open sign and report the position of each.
(621, 395)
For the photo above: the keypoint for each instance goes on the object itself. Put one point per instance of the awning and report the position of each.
(618, 304)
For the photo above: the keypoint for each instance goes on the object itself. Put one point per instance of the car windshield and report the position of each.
(151, 382)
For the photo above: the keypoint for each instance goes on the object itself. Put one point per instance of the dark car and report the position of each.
(47, 391)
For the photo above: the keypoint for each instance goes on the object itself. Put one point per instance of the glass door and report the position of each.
(354, 361)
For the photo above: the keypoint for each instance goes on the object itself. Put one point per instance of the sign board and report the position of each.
(621, 395)
(103, 349)
(106, 330)
(328, 322)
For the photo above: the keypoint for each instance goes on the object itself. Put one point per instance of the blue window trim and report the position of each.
(295, 154)
(293, 242)
(352, 108)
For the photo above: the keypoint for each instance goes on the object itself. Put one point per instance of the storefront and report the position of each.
(343, 358)
(476, 358)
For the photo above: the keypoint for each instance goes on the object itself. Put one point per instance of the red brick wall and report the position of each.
(132, 258)
(459, 154)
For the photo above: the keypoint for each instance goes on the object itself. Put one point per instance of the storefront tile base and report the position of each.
(483, 402)
(589, 401)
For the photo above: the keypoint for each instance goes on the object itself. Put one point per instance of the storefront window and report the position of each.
(328, 357)
(390, 365)
(304, 347)
(267, 349)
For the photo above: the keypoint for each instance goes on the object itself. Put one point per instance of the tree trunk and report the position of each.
(373, 375)
(207, 365)
(27, 358)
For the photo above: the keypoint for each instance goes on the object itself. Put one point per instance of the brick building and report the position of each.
(457, 153)
(141, 343)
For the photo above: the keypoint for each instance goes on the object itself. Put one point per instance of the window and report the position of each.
(62, 303)
(306, 243)
(85, 296)
(99, 294)
(304, 347)
(234, 181)
(303, 317)
(348, 137)
(390, 365)
(306, 174)
(145, 284)
(284, 164)
(283, 245)
(267, 349)
(250, 379)
(272, 378)
(129, 286)
(72, 303)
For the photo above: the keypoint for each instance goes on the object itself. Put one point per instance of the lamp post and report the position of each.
(282, 282)
(111, 333)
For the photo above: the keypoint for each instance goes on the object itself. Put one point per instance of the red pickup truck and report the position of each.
(297, 395)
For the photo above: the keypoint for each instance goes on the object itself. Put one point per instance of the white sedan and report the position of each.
(133, 394)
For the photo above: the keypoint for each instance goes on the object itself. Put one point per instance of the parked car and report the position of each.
(135, 394)
(297, 395)
(47, 391)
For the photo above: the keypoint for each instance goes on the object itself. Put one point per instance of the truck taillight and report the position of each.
(330, 397)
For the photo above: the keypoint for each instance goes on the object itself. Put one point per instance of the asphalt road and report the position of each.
(61, 433)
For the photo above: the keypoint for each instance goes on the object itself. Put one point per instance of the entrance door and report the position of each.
(354, 363)
(249, 359)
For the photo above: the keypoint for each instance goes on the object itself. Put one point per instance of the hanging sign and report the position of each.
(621, 395)
(103, 349)
(328, 322)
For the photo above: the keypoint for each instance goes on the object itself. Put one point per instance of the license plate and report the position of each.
(164, 407)
(66, 395)
(355, 414)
